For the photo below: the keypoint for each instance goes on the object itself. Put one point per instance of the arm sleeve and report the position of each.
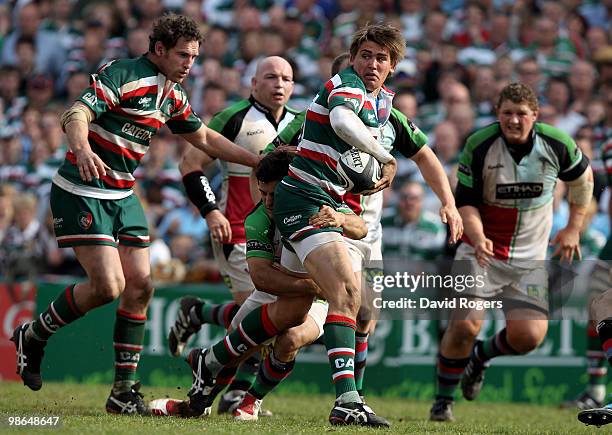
(408, 138)
(184, 120)
(469, 179)
(349, 128)
(102, 94)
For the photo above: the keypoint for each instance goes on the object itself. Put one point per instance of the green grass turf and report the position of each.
(81, 408)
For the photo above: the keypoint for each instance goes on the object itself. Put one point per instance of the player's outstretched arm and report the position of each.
(215, 145)
(75, 123)
(270, 279)
(474, 230)
(580, 194)
(436, 178)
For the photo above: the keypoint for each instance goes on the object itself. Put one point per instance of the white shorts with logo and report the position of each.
(357, 253)
(232, 263)
(514, 284)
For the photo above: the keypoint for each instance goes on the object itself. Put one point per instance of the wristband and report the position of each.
(199, 192)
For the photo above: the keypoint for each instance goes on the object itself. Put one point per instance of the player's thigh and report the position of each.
(102, 265)
(136, 266)
(325, 257)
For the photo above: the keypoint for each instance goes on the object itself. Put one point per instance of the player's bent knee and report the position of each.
(289, 343)
(108, 290)
(524, 341)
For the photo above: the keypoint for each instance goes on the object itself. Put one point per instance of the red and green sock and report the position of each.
(60, 312)
(219, 314)
(255, 329)
(449, 372)
(246, 374)
(495, 346)
(271, 373)
(128, 338)
(361, 354)
(340, 343)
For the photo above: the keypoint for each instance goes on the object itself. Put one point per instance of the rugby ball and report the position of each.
(358, 171)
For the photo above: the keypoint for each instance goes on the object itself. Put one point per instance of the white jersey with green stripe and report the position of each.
(131, 100)
(252, 126)
(320, 147)
(512, 187)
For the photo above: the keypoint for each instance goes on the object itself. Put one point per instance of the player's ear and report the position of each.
(159, 48)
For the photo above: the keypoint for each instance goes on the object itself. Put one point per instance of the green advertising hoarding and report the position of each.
(401, 358)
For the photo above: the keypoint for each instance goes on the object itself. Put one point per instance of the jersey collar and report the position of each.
(263, 109)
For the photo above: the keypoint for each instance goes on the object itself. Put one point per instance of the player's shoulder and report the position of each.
(296, 113)
(552, 134)
(347, 77)
(127, 70)
(482, 137)
(257, 217)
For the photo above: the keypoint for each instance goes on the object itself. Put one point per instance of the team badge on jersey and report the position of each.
(85, 220)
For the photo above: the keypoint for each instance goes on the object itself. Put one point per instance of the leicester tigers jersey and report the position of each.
(515, 199)
(398, 133)
(320, 147)
(131, 100)
(251, 126)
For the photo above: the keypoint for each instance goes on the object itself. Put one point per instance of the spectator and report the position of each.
(411, 17)
(413, 234)
(213, 100)
(11, 103)
(405, 102)
(446, 145)
(22, 253)
(7, 193)
(582, 83)
(484, 96)
(50, 53)
(183, 221)
(558, 94)
(529, 72)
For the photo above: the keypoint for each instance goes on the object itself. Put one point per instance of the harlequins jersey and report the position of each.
(131, 100)
(515, 199)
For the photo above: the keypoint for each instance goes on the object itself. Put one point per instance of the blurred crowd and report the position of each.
(460, 54)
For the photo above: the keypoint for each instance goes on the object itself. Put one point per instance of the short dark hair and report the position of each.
(518, 93)
(273, 167)
(338, 61)
(169, 28)
(383, 35)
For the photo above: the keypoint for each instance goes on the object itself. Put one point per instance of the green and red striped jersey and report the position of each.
(320, 147)
(132, 100)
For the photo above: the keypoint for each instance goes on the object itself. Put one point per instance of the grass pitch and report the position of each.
(81, 410)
